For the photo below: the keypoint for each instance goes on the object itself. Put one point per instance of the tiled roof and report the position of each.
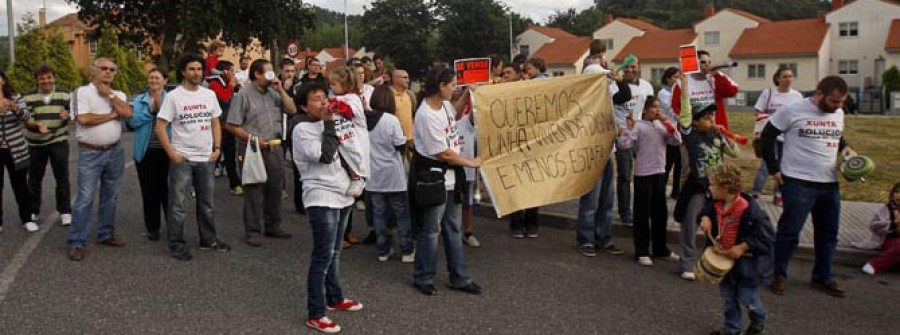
(892, 44)
(640, 24)
(657, 45)
(69, 20)
(554, 33)
(564, 51)
(794, 38)
(339, 52)
(748, 15)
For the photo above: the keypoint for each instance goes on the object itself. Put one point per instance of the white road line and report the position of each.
(12, 269)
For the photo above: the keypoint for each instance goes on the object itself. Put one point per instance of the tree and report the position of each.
(129, 78)
(67, 76)
(474, 28)
(400, 29)
(174, 26)
(31, 51)
(579, 23)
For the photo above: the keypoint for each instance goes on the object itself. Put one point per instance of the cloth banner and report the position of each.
(543, 141)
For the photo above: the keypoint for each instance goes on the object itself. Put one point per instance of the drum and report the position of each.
(712, 267)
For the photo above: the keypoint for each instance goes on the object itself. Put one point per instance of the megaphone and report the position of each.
(724, 66)
(630, 59)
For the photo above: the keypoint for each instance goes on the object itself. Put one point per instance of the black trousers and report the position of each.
(228, 152)
(58, 155)
(650, 215)
(673, 163)
(525, 220)
(19, 181)
(153, 174)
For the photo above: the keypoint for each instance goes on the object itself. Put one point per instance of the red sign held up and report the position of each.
(690, 63)
(472, 71)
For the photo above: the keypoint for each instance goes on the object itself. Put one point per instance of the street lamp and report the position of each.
(12, 32)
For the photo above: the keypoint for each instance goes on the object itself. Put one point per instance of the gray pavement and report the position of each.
(533, 286)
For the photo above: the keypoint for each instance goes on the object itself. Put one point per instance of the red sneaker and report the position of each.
(323, 324)
(778, 201)
(346, 305)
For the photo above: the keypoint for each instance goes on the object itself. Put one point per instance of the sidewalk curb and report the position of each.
(843, 256)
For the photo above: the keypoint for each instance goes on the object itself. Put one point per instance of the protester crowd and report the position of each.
(359, 138)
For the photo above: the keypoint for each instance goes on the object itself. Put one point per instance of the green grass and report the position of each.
(876, 137)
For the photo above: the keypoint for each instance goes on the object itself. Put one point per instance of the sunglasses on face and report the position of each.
(107, 68)
(704, 62)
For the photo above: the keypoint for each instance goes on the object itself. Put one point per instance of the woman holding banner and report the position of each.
(436, 169)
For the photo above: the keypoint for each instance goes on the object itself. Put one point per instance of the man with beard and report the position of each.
(193, 113)
(813, 130)
(256, 112)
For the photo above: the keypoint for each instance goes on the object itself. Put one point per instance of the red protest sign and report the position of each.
(472, 71)
(690, 63)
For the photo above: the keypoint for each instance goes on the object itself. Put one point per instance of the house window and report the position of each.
(848, 67)
(558, 73)
(608, 43)
(849, 29)
(756, 71)
(711, 38)
(792, 66)
(523, 49)
(93, 47)
(656, 74)
(138, 51)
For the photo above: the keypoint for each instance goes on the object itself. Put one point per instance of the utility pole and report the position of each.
(346, 35)
(511, 47)
(12, 32)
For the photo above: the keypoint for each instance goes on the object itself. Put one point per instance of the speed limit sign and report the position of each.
(293, 49)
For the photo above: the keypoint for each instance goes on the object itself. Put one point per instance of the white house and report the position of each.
(657, 50)
(565, 56)
(619, 32)
(803, 45)
(859, 40)
(718, 33)
(535, 37)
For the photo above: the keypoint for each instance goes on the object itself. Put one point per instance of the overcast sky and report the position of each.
(537, 10)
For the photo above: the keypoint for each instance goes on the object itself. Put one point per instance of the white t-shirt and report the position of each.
(811, 141)
(435, 132)
(354, 136)
(769, 102)
(388, 174)
(701, 92)
(639, 94)
(467, 138)
(367, 95)
(190, 114)
(87, 100)
(324, 185)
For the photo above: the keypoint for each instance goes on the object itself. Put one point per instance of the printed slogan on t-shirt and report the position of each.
(543, 141)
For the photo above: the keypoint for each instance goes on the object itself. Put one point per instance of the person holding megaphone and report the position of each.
(707, 87)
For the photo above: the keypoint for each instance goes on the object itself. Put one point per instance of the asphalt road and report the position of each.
(534, 286)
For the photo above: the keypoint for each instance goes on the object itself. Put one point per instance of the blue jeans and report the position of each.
(399, 207)
(735, 296)
(181, 177)
(624, 169)
(595, 212)
(801, 198)
(323, 281)
(96, 170)
(763, 173)
(443, 220)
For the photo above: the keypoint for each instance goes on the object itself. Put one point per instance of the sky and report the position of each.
(537, 10)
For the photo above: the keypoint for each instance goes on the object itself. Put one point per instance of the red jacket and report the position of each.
(223, 90)
(211, 62)
(725, 88)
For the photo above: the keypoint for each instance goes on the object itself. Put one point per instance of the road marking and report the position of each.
(12, 270)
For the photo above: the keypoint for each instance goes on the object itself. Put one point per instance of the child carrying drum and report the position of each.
(743, 233)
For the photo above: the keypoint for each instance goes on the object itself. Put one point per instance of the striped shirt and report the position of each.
(730, 220)
(12, 135)
(48, 113)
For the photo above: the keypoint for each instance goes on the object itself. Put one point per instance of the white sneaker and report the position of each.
(868, 269)
(218, 172)
(356, 187)
(410, 258)
(387, 256)
(688, 276)
(65, 219)
(471, 241)
(31, 227)
(645, 261)
(673, 257)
